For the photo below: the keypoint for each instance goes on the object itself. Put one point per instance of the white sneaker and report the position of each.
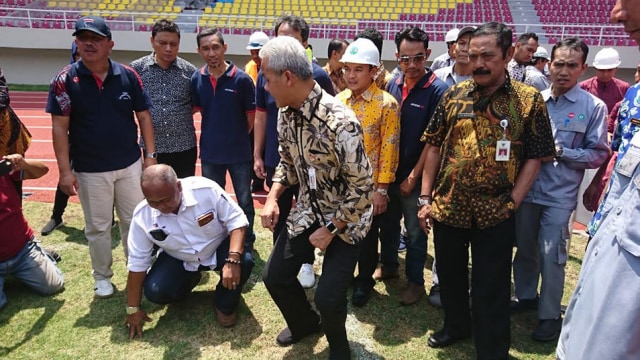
(103, 289)
(306, 276)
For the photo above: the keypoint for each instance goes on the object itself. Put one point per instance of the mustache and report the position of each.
(481, 72)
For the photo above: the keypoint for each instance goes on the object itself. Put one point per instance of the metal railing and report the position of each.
(594, 34)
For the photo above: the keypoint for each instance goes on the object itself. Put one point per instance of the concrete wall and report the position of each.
(33, 56)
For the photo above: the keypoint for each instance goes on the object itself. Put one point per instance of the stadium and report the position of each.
(36, 34)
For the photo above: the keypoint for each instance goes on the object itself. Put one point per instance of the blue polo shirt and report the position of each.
(323, 79)
(265, 102)
(103, 134)
(224, 104)
(416, 109)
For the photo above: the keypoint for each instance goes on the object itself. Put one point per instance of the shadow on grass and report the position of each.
(76, 235)
(21, 299)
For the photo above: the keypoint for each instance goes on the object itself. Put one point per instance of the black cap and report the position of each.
(466, 30)
(94, 24)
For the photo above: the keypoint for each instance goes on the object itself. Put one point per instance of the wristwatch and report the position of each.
(333, 229)
(382, 192)
(132, 310)
(559, 152)
(151, 155)
(424, 200)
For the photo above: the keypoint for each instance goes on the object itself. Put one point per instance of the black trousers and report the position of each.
(183, 162)
(285, 201)
(368, 260)
(280, 278)
(490, 283)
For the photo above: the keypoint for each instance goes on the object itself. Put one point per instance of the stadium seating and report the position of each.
(327, 18)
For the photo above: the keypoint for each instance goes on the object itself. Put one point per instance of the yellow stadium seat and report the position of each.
(102, 6)
(52, 4)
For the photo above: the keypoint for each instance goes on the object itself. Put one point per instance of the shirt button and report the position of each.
(619, 210)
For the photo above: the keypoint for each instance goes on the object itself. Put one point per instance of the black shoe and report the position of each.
(257, 186)
(286, 338)
(521, 305)
(360, 296)
(442, 338)
(434, 296)
(547, 330)
(51, 226)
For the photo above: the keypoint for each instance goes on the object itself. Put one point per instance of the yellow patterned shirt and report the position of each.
(472, 188)
(325, 135)
(379, 116)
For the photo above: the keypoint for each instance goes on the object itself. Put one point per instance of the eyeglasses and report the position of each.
(411, 59)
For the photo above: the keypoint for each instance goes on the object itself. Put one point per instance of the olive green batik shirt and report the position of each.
(472, 189)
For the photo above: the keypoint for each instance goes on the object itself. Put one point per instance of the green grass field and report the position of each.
(73, 325)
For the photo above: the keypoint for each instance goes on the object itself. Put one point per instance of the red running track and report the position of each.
(30, 108)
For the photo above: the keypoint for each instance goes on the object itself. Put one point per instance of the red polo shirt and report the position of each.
(13, 226)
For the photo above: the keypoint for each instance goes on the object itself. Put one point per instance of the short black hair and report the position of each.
(526, 36)
(572, 43)
(208, 32)
(503, 34)
(165, 25)
(335, 45)
(372, 34)
(412, 34)
(296, 22)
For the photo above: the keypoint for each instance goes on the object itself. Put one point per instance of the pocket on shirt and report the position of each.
(570, 133)
(629, 236)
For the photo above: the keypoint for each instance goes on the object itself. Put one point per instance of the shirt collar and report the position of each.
(368, 94)
(571, 95)
(505, 87)
(230, 72)
(151, 60)
(113, 70)
(309, 104)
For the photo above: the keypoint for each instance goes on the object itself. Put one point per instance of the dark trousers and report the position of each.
(59, 204)
(331, 294)
(285, 202)
(368, 260)
(490, 283)
(183, 162)
(168, 281)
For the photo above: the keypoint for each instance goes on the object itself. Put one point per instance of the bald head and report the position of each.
(161, 188)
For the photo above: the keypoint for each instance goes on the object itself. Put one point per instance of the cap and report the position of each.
(94, 24)
(452, 35)
(361, 51)
(257, 40)
(607, 58)
(541, 53)
(466, 30)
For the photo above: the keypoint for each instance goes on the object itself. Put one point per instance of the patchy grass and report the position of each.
(73, 325)
(27, 87)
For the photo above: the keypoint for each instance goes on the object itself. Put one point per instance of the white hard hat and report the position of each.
(541, 53)
(452, 35)
(607, 58)
(257, 40)
(361, 51)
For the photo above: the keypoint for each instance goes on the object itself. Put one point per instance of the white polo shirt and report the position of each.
(205, 218)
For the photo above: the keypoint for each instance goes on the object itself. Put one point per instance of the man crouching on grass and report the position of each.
(197, 227)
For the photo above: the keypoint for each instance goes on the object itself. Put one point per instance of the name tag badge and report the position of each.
(503, 149)
(635, 121)
(312, 178)
(635, 140)
(205, 218)
(627, 165)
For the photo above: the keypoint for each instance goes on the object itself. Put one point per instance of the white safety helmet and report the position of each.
(361, 51)
(541, 53)
(607, 58)
(452, 35)
(257, 40)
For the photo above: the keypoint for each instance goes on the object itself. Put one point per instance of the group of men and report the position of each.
(470, 151)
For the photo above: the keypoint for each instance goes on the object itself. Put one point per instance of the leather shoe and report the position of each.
(521, 305)
(547, 330)
(411, 294)
(442, 338)
(360, 296)
(434, 296)
(286, 338)
(381, 274)
(226, 320)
